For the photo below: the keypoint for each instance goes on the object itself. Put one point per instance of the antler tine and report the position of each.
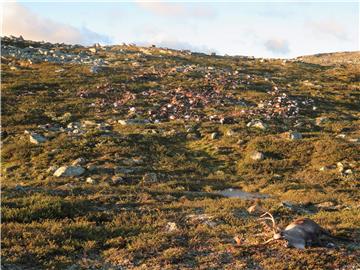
(268, 241)
(264, 216)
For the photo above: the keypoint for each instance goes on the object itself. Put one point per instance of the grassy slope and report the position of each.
(50, 222)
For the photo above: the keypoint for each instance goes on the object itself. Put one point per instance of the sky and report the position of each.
(262, 29)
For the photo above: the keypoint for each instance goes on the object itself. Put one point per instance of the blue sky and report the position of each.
(262, 29)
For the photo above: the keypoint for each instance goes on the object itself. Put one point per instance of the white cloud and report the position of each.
(18, 20)
(277, 46)
(329, 27)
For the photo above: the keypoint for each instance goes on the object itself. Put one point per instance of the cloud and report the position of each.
(278, 46)
(18, 20)
(329, 27)
(163, 8)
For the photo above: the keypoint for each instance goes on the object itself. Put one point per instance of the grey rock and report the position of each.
(68, 171)
(295, 136)
(37, 138)
(257, 124)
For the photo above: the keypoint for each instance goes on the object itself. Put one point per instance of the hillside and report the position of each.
(115, 158)
(338, 58)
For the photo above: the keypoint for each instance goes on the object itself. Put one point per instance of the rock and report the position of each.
(295, 136)
(78, 161)
(68, 171)
(89, 180)
(348, 171)
(171, 227)
(150, 177)
(92, 50)
(257, 124)
(342, 136)
(214, 135)
(89, 123)
(37, 138)
(323, 168)
(340, 166)
(257, 156)
(354, 140)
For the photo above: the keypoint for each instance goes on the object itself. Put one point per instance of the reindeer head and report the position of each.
(277, 232)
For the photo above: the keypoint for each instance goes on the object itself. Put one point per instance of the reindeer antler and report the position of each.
(268, 216)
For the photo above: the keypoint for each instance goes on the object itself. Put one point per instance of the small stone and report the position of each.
(323, 168)
(91, 181)
(93, 50)
(257, 156)
(79, 161)
(295, 136)
(150, 177)
(340, 166)
(342, 136)
(214, 135)
(37, 138)
(257, 124)
(67, 171)
(348, 171)
(171, 227)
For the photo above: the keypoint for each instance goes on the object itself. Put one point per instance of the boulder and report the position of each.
(37, 138)
(68, 171)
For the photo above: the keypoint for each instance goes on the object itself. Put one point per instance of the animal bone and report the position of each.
(299, 233)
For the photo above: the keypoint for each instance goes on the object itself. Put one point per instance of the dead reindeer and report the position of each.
(300, 233)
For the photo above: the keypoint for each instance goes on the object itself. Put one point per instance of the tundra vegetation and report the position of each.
(115, 162)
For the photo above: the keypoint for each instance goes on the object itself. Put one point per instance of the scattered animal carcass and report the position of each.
(300, 233)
